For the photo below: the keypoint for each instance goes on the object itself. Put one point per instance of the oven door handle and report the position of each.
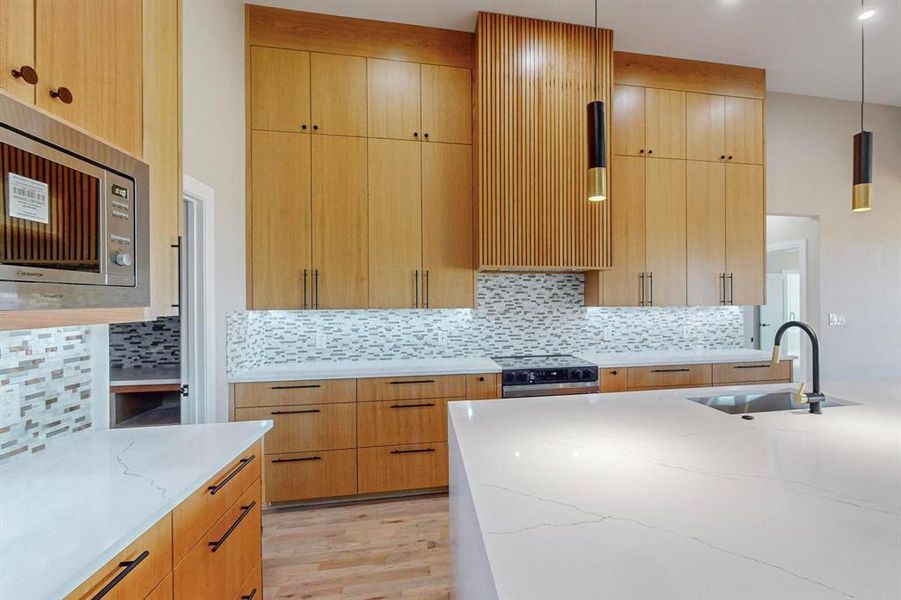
(550, 389)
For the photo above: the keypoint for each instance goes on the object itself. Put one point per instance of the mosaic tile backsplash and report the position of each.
(515, 314)
(51, 369)
(147, 345)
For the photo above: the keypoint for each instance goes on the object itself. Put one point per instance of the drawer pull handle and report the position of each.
(245, 510)
(243, 463)
(670, 370)
(129, 566)
(251, 595)
(413, 405)
(751, 366)
(412, 382)
(295, 412)
(295, 387)
(286, 460)
(412, 451)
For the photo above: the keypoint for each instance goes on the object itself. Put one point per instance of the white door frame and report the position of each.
(200, 312)
(800, 246)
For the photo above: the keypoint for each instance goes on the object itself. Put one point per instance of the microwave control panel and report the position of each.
(120, 219)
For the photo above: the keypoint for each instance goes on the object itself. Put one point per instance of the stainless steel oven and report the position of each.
(74, 224)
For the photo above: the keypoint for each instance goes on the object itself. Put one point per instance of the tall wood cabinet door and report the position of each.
(446, 104)
(744, 130)
(447, 226)
(665, 241)
(704, 123)
(627, 232)
(706, 235)
(93, 49)
(17, 46)
(393, 99)
(280, 220)
(395, 224)
(745, 234)
(340, 222)
(279, 89)
(628, 135)
(338, 94)
(665, 123)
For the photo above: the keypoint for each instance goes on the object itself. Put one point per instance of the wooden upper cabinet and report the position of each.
(744, 130)
(447, 226)
(664, 123)
(628, 135)
(745, 234)
(17, 46)
(93, 49)
(340, 222)
(705, 127)
(665, 233)
(706, 235)
(280, 220)
(279, 89)
(393, 99)
(338, 94)
(446, 104)
(395, 224)
(621, 283)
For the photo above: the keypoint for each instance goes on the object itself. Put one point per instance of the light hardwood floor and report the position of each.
(395, 549)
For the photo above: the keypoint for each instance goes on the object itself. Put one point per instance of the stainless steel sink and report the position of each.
(738, 404)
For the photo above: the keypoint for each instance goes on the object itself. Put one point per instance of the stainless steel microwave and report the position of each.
(74, 228)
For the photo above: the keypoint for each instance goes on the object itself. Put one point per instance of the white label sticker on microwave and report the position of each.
(28, 199)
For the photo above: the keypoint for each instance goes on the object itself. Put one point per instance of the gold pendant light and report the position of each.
(862, 191)
(597, 147)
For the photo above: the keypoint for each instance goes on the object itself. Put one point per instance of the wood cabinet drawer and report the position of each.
(219, 563)
(485, 386)
(308, 475)
(252, 588)
(136, 571)
(301, 428)
(402, 422)
(163, 591)
(408, 388)
(290, 393)
(669, 376)
(751, 372)
(409, 467)
(614, 380)
(193, 517)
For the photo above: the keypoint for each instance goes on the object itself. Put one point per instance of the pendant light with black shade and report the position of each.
(597, 147)
(862, 192)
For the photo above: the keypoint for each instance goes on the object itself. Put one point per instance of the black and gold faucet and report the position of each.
(814, 398)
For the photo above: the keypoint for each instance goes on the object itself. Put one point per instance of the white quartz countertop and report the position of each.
(353, 369)
(674, 357)
(648, 495)
(67, 510)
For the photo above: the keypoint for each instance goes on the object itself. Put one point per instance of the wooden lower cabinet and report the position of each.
(163, 591)
(311, 475)
(658, 377)
(319, 427)
(486, 386)
(401, 422)
(290, 393)
(404, 467)
(614, 380)
(252, 588)
(669, 376)
(407, 388)
(760, 372)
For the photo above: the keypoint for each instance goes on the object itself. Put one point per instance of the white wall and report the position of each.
(213, 108)
(809, 151)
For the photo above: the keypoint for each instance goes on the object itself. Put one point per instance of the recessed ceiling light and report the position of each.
(866, 14)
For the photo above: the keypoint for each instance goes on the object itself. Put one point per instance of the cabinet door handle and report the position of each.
(416, 134)
(314, 301)
(295, 412)
(303, 126)
(290, 460)
(213, 489)
(730, 157)
(413, 405)
(651, 281)
(27, 74)
(416, 288)
(723, 157)
(751, 366)
(295, 387)
(425, 135)
(426, 289)
(128, 566)
(178, 259)
(304, 289)
(722, 288)
(315, 127)
(416, 451)
(245, 510)
(641, 151)
(63, 94)
(731, 288)
(614, 372)
(641, 289)
(251, 595)
(650, 152)
(670, 370)
(412, 381)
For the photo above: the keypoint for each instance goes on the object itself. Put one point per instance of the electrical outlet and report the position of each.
(10, 410)
(321, 341)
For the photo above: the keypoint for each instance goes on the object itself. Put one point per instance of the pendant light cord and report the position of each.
(862, 70)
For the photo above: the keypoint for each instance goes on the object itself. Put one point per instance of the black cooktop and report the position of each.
(540, 361)
(545, 369)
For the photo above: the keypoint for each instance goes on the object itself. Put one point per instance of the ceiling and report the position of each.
(809, 47)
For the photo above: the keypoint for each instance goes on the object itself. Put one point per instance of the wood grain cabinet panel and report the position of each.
(628, 135)
(614, 380)
(752, 372)
(340, 275)
(622, 283)
(705, 127)
(252, 588)
(393, 99)
(402, 422)
(485, 386)
(338, 94)
(446, 104)
(280, 220)
(301, 428)
(744, 130)
(295, 393)
(163, 591)
(745, 234)
(448, 279)
(669, 376)
(279, 89)
(706, 232)
(407, 467)
(665, 123)
(665, 233)
(17, 46)
(309, 475)
(395, 224)
(106, 77)
(153, 550)
(408, 388)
